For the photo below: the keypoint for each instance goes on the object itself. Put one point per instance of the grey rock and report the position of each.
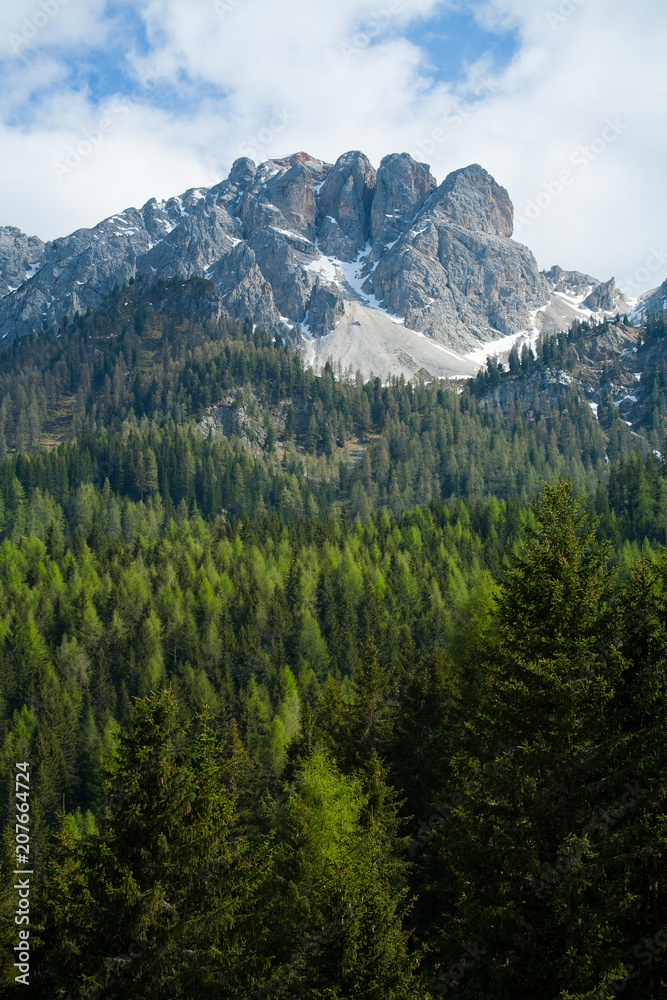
(472, 199)
(652, 304)
(198, 299)
(402, 187)
(77, 273)
(282, 261)
(20, 256)
(333, 242)
(346, 197)
(461, 284)
(244, 290)
(199, 239)
(280, 193)
(326, 306)
(618, 348)
(572, 292)
(292, 193)
(256, 213)
(532, 392)
(604, 296)
(247, 414)
(572, 283)
(242, 173)
(438, 257)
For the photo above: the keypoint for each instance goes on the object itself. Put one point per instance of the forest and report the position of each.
(328, 689)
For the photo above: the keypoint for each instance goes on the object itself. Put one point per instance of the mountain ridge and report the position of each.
(384, 267)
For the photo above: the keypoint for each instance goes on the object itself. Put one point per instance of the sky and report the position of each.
(107, 104)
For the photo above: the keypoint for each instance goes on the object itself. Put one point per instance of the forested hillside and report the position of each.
(182, 416)
(324, 693)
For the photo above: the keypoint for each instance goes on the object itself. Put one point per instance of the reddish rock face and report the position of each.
(299, 158)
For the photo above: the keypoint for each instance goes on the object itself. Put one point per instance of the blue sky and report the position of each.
(449, 41)
(454, 40)
(521, 86)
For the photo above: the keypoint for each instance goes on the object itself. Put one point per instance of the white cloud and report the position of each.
(29, 27)
(309, 68)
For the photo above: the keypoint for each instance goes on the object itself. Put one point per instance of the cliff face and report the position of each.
(371, 266)
(275, 238)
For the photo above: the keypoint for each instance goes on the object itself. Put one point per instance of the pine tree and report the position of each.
(637, 826)
(340, 898)
(151, 473)
(140, 480)
(368, 715)
(422, 731)
(538, 764)
(170, 871)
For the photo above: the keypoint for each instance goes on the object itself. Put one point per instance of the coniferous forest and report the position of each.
(328, 688)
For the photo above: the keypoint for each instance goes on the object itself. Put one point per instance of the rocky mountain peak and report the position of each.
(604, 296)
(382, 269)
(652, 304)
(344, 206)
(292, 193)
(402, 187)
(471, 198)
(20, 255)
(243, 172)
(577, 296)
(572, 283)
(299, 158)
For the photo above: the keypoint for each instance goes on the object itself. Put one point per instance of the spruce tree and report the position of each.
(167, 892)
(537, 765)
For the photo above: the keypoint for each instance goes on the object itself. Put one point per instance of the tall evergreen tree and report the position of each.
(538, 764)
(168, 890)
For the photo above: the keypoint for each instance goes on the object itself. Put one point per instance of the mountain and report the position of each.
(383, 270)
(577, 297)
(611, 365)
(653, 303)
(277, 642)
(20, 257)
